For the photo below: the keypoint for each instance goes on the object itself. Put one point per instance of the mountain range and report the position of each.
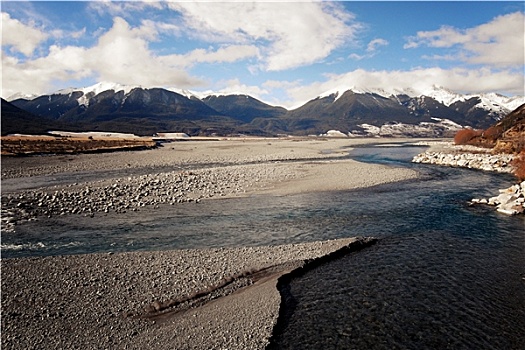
(352, 111)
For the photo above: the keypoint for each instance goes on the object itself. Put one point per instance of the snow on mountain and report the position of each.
(20, 95)
(185, 93)
(98, 88)
(204, 94)
(514, 102)
(443, 95)
(493, 102)
(488, 101)
(93, 90)
(438, 128)
(384, 92)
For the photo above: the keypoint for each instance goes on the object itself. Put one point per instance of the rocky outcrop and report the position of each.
(510, 201)
(482, 161)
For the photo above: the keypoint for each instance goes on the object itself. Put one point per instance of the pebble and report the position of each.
(75, 302)
(132, 193)
(482, 161)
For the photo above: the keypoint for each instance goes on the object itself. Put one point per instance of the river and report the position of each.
(443, 275)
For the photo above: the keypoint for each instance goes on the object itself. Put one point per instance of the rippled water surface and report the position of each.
(444, 275)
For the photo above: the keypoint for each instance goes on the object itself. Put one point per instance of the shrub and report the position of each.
(493, 133)
(463, 136)
(519, 164)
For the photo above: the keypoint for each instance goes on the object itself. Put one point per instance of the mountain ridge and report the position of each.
(439, 93)
(145, 111)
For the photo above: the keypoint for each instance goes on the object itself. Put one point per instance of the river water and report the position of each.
(444, 275)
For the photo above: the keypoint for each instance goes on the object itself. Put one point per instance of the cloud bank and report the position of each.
(253, 40)
(497, 43)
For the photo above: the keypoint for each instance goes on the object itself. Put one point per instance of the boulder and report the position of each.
(510, 201)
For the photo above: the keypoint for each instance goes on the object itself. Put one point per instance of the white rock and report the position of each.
(493, 201)
(507, 211)
(505, 198)
(462, 163)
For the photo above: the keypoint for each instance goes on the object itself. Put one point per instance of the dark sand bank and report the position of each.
(166, 300)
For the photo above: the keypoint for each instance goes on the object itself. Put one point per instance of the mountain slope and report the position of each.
(140, 111)
(350, 111)
(16, 120)
(512, 137)
(242, 107)
(357, 111)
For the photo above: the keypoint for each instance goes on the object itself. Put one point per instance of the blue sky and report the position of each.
(282, 53)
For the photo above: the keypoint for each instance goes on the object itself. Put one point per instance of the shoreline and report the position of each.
(96, 300)
(510, 201)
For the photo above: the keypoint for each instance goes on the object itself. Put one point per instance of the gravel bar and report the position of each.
(105, 301)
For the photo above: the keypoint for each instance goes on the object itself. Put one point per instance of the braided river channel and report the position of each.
(443, 274)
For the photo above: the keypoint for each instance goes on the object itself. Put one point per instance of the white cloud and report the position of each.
(374, 44)
(226, 54)
(122, 8)
(498, 43)
(357, 57)
(273, 36)
(21, 37)
(121, 55)
(270, 36)
(371, 49)
(234, 86)
(288, 35)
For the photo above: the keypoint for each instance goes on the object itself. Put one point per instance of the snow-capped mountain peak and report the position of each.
(20, 95)
(184, 92)
(442, 95)
(93, 90)
(104, 86)
(488, 101)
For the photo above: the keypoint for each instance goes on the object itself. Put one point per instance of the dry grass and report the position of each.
(467, 137)
(510, 142)
(27, 145)
(519, 165)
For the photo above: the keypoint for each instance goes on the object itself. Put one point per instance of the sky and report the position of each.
(283, 53)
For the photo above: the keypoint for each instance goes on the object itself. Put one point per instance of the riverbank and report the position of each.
(510, 201)
(467, 157)
(24, 145)
(182, 172)
(111, 300)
